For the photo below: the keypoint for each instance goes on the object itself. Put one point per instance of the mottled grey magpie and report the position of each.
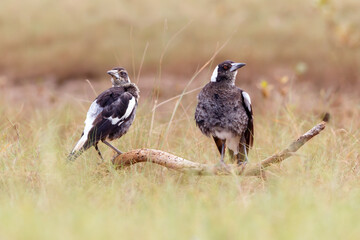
(110, 115)
(224, 112)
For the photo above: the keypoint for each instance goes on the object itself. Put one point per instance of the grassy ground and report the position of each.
(313, 195)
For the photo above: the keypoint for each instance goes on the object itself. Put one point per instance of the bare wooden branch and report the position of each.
(182, 165)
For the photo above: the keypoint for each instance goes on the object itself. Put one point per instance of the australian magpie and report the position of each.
(224, 112)
(110, 115)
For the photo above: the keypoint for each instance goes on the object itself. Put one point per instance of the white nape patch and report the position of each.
(214, 74)
(91, 115)
(128, 111)
(247, 100)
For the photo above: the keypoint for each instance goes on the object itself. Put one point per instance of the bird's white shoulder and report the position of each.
(247, 100)
(94, 110)
(130, 108)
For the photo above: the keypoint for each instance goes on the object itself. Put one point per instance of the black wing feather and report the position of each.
(103, 127)
(249, 132)
(109, 96)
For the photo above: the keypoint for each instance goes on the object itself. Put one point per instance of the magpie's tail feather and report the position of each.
(74, 155)
(82, 145)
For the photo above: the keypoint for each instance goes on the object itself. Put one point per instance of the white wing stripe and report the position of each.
(114, 121)
(93, 112)
(91, 115)
(130, 108)
(247, 100)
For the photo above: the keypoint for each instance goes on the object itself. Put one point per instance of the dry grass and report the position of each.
(315, 194)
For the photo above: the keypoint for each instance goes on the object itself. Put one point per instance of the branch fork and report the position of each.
(186, 166)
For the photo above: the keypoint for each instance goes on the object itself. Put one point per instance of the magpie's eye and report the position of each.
(226, 67)
(123, 74)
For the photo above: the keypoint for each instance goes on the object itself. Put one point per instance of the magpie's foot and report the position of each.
(242, 163)
(221, 165)
(115, 156)
(102, 162)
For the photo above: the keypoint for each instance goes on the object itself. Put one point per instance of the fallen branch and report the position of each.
(182, 165)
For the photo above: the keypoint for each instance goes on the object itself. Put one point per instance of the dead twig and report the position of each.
(182, 165)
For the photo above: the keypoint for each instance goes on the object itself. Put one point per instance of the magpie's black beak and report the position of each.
(236, 66)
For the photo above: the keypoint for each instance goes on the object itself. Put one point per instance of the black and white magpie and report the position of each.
(224, 112)
(110, 115)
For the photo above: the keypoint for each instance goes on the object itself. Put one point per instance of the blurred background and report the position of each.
(316, 40)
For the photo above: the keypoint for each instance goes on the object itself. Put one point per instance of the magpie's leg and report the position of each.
(246, 155)
(243, 157)
(222, 152)
(98, 151)
(222, 162)
(113, 148)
